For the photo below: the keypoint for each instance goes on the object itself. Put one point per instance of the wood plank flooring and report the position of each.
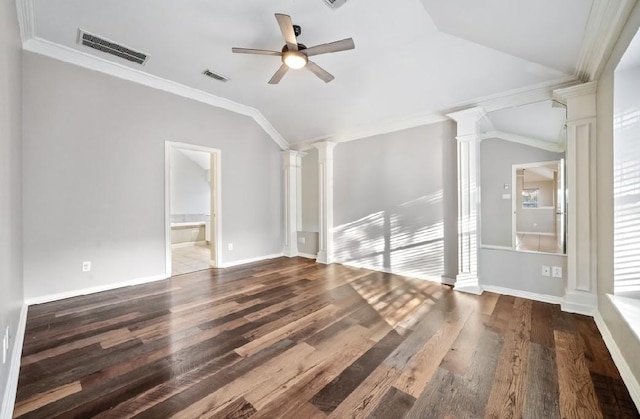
(291, 338)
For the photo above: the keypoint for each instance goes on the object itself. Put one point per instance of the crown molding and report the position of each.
(516, 97)
(491, 103)
(92, 62)
(520, 139)
(562, 95)
(26, 19)
(605, 23)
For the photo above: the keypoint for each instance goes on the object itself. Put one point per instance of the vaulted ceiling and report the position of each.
(413, 58)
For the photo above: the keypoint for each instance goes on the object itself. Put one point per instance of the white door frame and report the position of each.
(216, 197)
(514, 197)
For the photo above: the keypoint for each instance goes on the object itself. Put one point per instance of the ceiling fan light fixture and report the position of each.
(295, 60)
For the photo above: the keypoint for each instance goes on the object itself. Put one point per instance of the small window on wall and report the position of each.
(530, 198)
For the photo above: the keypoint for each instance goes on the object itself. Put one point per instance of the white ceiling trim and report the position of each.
(606, 20)
(520, 139)
(26, 19)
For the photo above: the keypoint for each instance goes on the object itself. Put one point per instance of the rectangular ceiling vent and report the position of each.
(104, 45)
(215, 76)
(334, 4)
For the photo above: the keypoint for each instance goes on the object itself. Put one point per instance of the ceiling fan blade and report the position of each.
(323, 74)
(255, 51)
(344, 45)
(286, 27)
(279, 74)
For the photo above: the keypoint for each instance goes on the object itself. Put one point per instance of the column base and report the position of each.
(580, 303)
(468, 283)
(323, 258)
(290, 251)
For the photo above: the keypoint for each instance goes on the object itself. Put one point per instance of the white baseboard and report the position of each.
(10, 391)
(250, 260)
(308, 256)
(188, 244)
(85, 291)
(545, 298)
(448, 281)
(625, 372)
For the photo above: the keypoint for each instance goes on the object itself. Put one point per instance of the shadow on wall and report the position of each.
(407, 239)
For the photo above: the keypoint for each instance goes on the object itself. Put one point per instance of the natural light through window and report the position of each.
(626, 184)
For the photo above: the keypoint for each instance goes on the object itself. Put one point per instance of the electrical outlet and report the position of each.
(230, 246)
(557, 272)
(86, 266)
(301, 240)
(546, 270)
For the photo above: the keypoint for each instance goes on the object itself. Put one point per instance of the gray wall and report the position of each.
(602, 174)
(521, 271)
(496, 160)
(11, 275)
(94, 159)
(389, 211)
(506, 268)
(11, 296)
(190, 187)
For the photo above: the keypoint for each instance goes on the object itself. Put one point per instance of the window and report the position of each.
(530, 198)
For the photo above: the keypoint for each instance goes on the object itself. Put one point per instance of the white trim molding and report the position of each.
(468, 179)
(292, 168)
(121, 71)
(520, 139)
(251, 260)
(11, 389)
(325, 200)
(605, 23)
(581, 285)
(26, 19)
(307, 255)
(623, 367)
(92, 290)
(545, 298)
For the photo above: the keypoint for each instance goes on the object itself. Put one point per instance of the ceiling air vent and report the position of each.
(216, 76)
(101, 44)
(334, 4)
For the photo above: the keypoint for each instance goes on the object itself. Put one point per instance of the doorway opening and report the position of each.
(192, 208)
(539, 207)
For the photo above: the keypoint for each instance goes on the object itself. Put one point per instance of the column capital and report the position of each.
(467, 121)
(580, 100)
(325, 149)
(294, 153)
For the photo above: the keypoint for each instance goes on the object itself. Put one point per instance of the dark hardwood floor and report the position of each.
(290, 338)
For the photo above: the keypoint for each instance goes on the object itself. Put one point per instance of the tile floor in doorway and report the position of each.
(537, 243)
(186, 259)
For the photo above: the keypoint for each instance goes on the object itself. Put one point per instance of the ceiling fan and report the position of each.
(294, 55)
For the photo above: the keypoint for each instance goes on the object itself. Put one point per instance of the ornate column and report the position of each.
(468, 198)
(291, 163)
(580, 290)
(325, 176)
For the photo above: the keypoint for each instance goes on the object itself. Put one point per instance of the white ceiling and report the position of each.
(411, 57)
(540, 121)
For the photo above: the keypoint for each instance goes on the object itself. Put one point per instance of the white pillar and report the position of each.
(580, 290)
(291, 163)
(325, 166)
(468, 198)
